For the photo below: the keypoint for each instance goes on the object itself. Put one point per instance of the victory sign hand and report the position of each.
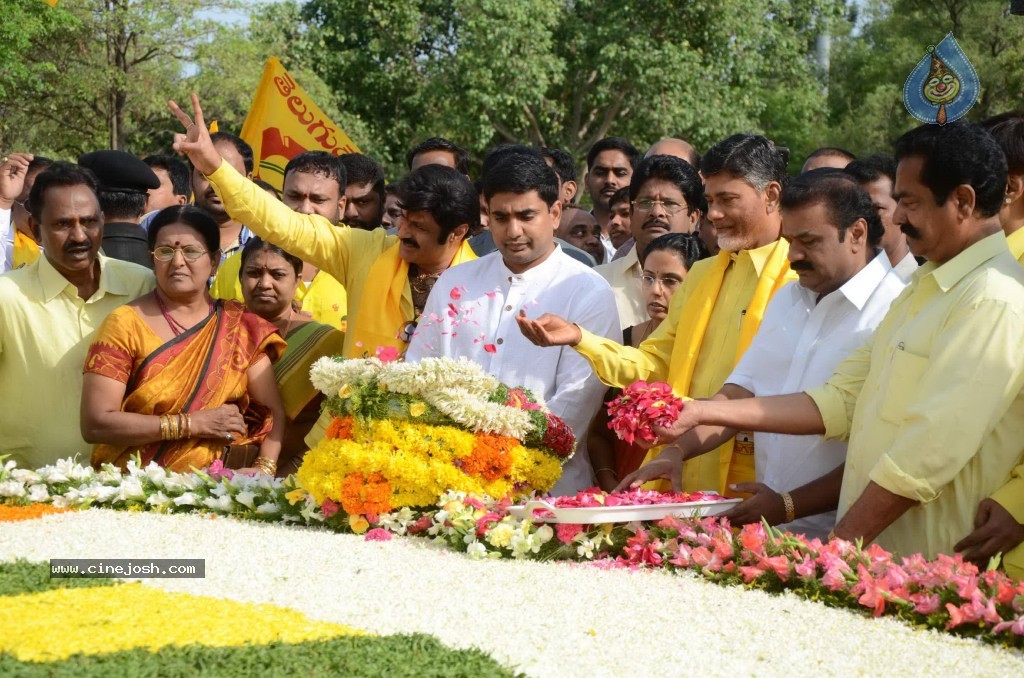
(195, 142)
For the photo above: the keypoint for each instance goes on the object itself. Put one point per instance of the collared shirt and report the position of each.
(906, 267)
(45, 332)
(345, 253)
(933, 404)
(492, 296)
(622, 365)
(243, 237)
(624, 277)
(609, 248)
(799, 345)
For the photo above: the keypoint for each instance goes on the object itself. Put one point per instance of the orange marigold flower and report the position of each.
(10, 514)
(361, 495)
(340, 428)
(491, 457)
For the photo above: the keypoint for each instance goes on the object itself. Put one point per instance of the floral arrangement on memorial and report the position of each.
(640, 407)
(404, 433)
(945, 593)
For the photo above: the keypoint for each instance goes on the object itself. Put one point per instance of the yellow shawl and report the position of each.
(380, 319)
(697, 316)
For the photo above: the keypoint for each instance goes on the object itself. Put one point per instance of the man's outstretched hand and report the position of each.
(549, 330)
(195, 142)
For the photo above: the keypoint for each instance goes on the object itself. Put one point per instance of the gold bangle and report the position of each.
(269, 466)
(164, 427)
(610, 470)
(188, 425)
(787, 500)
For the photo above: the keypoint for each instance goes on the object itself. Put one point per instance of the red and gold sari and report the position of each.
(201, 369)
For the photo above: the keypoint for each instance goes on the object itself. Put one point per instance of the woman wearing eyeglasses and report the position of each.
(667, 260)
(176, 377)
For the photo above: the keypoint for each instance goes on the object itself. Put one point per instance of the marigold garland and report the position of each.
(361, 494)
(340, 428)
(12, 514)
(491, 457)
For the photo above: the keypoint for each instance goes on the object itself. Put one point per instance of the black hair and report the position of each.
(1008, 130)
(751, 157)
(561, 162)
(833, 151)
(871, 168)
(446, 194)
(193, 217)
(176, 170)
(840, 194)
(320, 163)
(38, 163)
(496, 154)
(257, 244)
(268, 187)
(672, 169)
(440, 144)
(58, 174)
(362, 169)
(522, 173)
(613, 144)
(687, 245)
(956, 153)
(622, 195)
(243, 148)
(121, 204)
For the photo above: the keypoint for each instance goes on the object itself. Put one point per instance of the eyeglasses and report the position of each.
(647, 205)
(668, 284)
(190, 252)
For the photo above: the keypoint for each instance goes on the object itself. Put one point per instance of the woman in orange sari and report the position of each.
(174, 376)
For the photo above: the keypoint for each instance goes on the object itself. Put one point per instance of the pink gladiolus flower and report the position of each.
(218, 470)
(926, 603)
(752, 538)
(834, 580)
(566, 532)
(329, 508)
(806, 568)
(1016, 626)
(750, 573)
(387, 354)
(378, 534)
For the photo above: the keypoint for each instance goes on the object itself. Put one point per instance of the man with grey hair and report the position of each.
(716, 311)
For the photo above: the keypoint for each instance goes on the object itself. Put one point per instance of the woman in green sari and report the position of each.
(269, 278)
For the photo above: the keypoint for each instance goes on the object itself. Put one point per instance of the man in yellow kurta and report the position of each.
(716, 312)
(314, 183)
(50, 311)
(932, 405)
(999, 526)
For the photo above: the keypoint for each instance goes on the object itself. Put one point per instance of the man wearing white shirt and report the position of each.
(846, 286)
(528, 273)
(876, 175)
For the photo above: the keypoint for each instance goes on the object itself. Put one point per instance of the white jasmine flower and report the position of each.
(38, 493)
(159, 501)
(476, 551)
(246, 498)
(130, 488)
(268, 508)
(25, 475)
(187, 499)
(12, 488)
(223, 503)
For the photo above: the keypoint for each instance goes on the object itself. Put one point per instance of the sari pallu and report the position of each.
(306, 344)
(201, 369)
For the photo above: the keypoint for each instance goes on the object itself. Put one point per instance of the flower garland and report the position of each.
(946, 594)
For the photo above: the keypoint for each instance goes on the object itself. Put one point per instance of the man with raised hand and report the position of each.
(717, 310)
(845, 289)
(387, 277)
(528, 272)
(932, 405)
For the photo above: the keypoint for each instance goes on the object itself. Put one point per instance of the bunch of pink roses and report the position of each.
(640, 407)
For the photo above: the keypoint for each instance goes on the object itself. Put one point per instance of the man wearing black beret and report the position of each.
(124, 183)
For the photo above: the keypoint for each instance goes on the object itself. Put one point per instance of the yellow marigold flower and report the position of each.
(417, 409)
(105, 619)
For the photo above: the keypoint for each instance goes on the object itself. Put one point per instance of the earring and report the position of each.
(1007, 200)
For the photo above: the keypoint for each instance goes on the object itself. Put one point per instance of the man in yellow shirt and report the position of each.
(314, 183)
(716, 312)
(932, 405)
(51, 309)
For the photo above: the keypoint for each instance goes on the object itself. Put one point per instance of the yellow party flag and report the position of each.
(284, 121)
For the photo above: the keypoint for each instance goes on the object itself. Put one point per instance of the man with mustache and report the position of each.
(932, 404)
(610, 164)
(665, 193)
(716, 311)
(236, 152)
(51, 309)
(846, 286)
(472, 312)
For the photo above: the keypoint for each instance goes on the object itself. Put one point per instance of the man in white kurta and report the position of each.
(472, 308)
(800, 343)
(491, 297)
